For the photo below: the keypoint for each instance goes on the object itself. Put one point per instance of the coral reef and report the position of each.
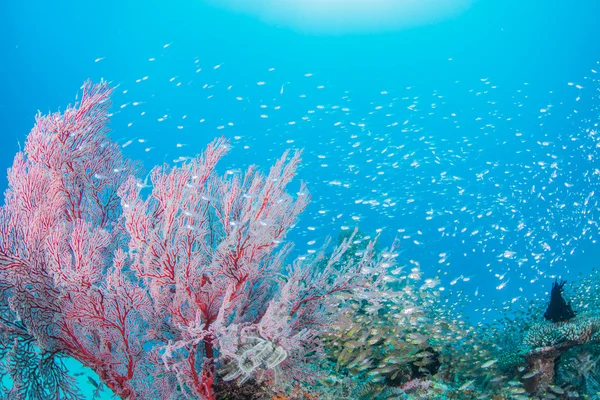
(548, 341)
(185, 292)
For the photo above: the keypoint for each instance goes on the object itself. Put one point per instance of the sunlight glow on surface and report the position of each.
(347, 16)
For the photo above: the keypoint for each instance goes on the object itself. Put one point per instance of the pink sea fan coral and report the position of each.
(158, 287)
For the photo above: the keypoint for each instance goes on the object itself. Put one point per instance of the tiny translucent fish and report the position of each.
(508, 254)
(430, 283)
(99, 59)
(557, 389)
(489, 363)
(455, 281)
(530, 374)
(93, 382)
(466, 385)
(502, 285)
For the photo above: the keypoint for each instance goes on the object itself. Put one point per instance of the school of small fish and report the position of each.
(483, 183)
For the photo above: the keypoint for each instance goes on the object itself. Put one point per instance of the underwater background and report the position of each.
(469, 136)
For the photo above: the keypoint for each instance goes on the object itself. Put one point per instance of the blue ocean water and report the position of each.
(394, 123)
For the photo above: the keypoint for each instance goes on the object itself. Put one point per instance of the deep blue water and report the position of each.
(527, 51)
